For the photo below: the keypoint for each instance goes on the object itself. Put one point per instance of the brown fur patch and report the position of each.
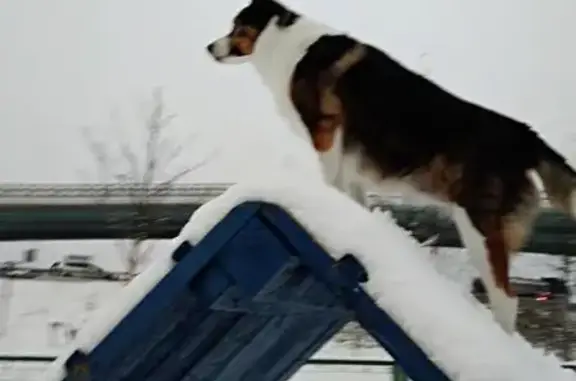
(505, 236)
(515, 233)
(321, 112)
(492, 228)
(441, 178)
(517, 226)
(502, 242)
(315, 99)
(559, 183)
(244, 38)
(325, 135)
(332, 119)
(504, 233)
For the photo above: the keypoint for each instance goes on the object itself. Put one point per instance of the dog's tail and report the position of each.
(559, 180)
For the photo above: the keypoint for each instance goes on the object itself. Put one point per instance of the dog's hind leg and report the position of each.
(490, 241)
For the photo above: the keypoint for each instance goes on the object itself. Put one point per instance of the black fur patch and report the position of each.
(406, 125)
(259, 13)
(287, 18)
(319, 57)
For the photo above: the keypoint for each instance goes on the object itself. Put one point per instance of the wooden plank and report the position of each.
(175, 333)
(374, 320)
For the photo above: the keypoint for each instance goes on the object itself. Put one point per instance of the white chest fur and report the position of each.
(276, 54)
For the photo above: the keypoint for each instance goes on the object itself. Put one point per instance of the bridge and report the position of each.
(116, 211)
(98, 211)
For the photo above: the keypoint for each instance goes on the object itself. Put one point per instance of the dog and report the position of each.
(377, 124)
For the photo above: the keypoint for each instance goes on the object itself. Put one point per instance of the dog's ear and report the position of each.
(286, 19)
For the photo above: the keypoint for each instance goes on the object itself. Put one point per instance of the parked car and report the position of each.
(80, 266)
(13, 270)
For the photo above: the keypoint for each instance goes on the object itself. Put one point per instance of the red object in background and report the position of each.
(543, 296)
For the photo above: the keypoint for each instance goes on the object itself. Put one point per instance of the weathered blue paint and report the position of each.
(252, 301)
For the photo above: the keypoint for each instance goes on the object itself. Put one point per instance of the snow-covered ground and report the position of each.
(36, 305)
(27, 372)
(42, 314)
(11, 371)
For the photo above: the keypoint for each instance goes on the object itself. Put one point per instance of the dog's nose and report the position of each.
(211, 48)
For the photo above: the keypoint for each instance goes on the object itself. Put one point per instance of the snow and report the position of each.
(20, 371)
(459, 334)
(104, 319)
(34, 305)
(41, 312)
(440, 315)
(26, 372)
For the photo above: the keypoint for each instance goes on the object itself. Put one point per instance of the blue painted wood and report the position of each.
(282, 326)
(181, 251)
(106, 356)
(254, 248)
(77, 366)
(375, 321)
(251, 302)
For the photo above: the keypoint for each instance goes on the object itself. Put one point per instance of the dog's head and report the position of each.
(248, 24)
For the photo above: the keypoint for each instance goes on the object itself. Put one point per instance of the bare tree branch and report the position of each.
(166, 185)
(124, 164)
(172, 153)
(132, 160)
(100, 153)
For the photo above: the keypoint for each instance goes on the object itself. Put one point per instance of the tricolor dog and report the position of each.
(375, 122)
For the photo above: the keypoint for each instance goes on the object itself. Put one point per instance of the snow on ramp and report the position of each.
(458, 334)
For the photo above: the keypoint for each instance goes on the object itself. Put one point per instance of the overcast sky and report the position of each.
(69, 63)
(66, 64)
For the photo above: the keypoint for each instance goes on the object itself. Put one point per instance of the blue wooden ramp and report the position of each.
(253, 301)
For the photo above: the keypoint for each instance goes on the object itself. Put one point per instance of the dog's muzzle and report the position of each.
(219, 49)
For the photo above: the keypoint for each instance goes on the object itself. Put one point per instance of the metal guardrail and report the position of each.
(553, 232)
(114, 193)
(71, 189)
(111, 211)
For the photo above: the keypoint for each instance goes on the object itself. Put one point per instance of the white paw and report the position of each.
(504, 309)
